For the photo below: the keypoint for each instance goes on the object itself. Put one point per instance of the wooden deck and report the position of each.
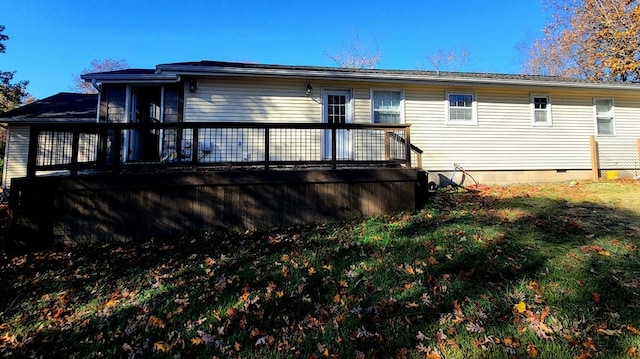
(126, 207)
(134, 181)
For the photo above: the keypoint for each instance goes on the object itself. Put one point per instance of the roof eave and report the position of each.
(23, 120)
(383, 77)
(129, 78)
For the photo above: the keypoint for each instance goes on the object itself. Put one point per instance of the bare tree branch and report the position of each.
(356, 55)
(448, 60)
(105, 65)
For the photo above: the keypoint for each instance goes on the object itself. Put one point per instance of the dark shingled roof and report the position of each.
(64, 105)
(354, 71)
(126, 72)
(172, 72)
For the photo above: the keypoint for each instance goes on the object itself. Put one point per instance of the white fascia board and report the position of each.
(133, 78)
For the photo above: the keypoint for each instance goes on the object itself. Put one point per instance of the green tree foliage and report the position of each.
(589, 39)
(11, 94)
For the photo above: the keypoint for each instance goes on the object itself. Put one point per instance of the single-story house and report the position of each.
(195, 144)
(63, 107)
(500, 128)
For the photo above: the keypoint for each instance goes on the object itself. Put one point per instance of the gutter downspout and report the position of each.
(96, 85)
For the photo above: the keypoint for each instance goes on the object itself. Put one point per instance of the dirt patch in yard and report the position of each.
(597, 219)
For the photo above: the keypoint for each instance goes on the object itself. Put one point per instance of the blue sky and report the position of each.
(52, 40)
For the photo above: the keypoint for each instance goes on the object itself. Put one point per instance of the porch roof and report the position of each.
(63, 107)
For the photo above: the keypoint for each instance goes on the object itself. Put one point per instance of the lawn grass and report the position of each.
(547, 271)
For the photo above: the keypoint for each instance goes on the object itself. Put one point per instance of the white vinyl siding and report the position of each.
(604, 113)
(17, 151)
(362, 105)
(541, 110)
(461, 108)
(386, 106)
(503, 137)
(252, 101)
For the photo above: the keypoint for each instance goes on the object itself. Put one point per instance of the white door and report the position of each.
(337, 109)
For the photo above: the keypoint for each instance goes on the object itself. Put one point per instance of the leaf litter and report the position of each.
(460, 276)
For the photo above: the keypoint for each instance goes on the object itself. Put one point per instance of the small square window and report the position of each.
(540, 110)
(461, 109)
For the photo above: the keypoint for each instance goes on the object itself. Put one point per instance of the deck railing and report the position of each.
(114, 147)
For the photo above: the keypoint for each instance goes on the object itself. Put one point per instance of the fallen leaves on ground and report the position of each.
(500, 270)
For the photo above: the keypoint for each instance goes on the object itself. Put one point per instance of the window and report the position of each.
(604, 116)
(386, 106)
(540, 110)
(461, 109)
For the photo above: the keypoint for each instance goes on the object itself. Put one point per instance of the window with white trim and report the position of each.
(386, 106)
(540, 110)
(461, 108)
(604, 116)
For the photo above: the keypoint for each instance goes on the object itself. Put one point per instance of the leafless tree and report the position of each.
(448, 60)
(356, 54)
(82, 86)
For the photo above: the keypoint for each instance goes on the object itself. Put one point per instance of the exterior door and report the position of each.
(144, 108)
(337, 109)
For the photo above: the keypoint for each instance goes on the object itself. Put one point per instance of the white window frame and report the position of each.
(401, 106)
(549, 121)
(612, 118)
(474, 109)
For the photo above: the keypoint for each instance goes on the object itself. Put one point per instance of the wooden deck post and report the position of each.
(334, 151)
(407, 143)
(74, 152)
(638, 151)
(266, 149)
(116, 150)
(595, 164)
(34, 132)
(102, 145)
(194, 148)
(387, 145)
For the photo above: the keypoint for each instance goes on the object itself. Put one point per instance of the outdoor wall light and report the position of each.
(193, 86)
(308, 90)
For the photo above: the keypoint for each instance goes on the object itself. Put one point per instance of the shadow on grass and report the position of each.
(443, 280)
